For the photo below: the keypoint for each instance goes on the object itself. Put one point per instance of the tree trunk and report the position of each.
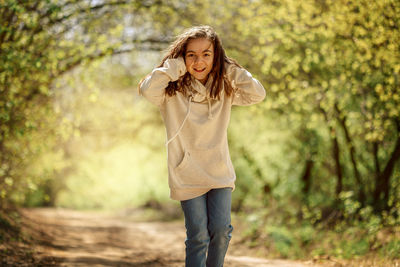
(350, 145)
(382, 184)
(335, 155)
(306, 177)
(339, 174)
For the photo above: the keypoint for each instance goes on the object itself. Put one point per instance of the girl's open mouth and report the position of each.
(199, 70)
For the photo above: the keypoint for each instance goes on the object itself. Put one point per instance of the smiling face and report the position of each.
(199, 58)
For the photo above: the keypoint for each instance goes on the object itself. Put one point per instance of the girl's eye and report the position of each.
(190, 55)
(207, 55)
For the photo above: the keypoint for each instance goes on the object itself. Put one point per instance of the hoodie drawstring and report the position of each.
(183, 122)
(210, 116)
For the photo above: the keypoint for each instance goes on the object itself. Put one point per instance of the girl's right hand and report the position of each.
(175, 67)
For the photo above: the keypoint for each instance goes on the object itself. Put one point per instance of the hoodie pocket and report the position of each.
(184, 162)
(202, 168)
(188, 173)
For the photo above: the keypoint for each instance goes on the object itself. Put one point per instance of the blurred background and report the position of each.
(317, 162)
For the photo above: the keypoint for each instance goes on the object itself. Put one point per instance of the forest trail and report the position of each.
(79, 238)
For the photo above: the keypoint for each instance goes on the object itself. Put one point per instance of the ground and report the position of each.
(78, 238)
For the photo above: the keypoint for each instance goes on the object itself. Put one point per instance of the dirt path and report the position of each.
(73, 238)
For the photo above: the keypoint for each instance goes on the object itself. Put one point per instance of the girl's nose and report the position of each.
(197, 60)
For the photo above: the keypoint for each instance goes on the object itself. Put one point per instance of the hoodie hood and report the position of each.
(199, 91)
(202, 93)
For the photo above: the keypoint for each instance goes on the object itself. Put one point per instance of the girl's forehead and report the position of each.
(199, 45)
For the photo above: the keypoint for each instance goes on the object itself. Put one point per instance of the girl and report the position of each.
(194, 87)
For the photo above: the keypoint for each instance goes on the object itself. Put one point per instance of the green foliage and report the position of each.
(5, 224)
(9, 225)
(303, 240)
(308, 62)
(39, 42)
(391, 250)
(282, 238)
(350, 248)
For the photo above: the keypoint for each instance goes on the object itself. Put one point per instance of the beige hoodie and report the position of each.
(196, 125)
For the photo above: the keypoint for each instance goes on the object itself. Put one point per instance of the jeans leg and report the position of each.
(197, 237)
(219, 225)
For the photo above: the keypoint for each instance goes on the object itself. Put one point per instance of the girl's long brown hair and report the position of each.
(178, 48)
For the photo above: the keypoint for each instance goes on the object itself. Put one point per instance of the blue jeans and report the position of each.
(208, 228)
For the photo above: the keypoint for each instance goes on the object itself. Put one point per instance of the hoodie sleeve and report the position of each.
(153, 86)
(246, 89)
